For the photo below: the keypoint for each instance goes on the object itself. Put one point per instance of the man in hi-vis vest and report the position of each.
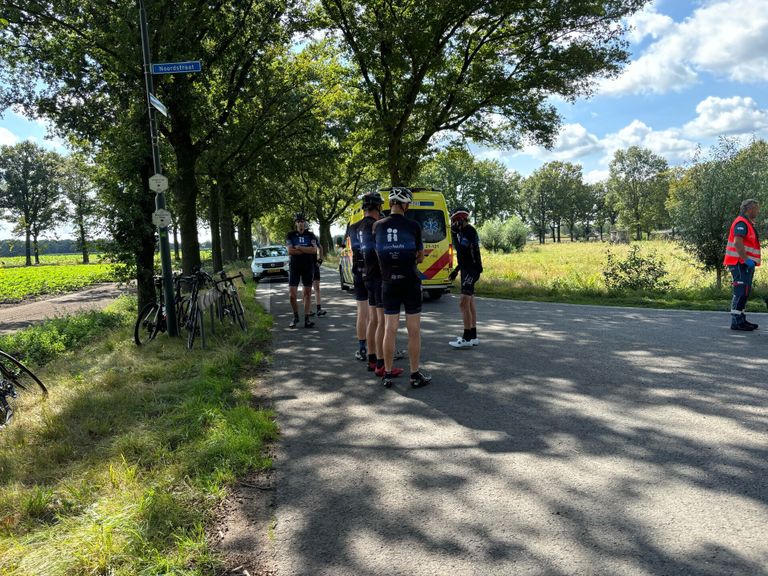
(742, 255)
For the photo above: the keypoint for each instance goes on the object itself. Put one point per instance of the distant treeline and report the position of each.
(15, 247)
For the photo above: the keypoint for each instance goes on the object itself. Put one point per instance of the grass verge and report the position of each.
(118, 471)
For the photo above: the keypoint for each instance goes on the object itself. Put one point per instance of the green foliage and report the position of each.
(44, 342)
(639, 187)
(19, 283)
(120, 471)
(445, 67)
(503, 235)
(485, 187)
(635, 272)
(705, 198)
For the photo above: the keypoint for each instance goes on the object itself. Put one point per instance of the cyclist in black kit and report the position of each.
(371, 274)
(399, 248)
(361, 292)
(470, 265)
(302, 248)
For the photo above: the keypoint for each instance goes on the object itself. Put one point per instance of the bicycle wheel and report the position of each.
(22, 378)
(239, 311)
(182, 313)
(147, 324)
(194, 326)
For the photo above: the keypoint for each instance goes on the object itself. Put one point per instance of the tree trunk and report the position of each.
(719, 283)
(558, 231)
(639, 233)
(176, 253)
(601, 232)
(186, 197)
(214, 218)
(145, 253)
(37, 249)
(244, 234)
(326, 240)
(228, 250)
(83, 242)
(28, 247)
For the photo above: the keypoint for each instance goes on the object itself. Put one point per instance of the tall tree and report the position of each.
(480, 69)
(638, 180)
(30, 192)
(705, 199)
(486, 187)
(78, 187)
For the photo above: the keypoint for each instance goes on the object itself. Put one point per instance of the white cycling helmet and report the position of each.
(401, 194)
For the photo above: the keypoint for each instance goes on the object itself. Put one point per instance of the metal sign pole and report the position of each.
(162, 230)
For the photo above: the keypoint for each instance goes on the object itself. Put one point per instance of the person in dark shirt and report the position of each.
(361, 292)
(469, 263)
(399, 249)
(302, 249)
(316, 280)
(371, 275)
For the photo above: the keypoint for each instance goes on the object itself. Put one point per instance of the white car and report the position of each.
(270, 262)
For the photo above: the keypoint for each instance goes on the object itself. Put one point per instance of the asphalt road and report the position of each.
(573, 440)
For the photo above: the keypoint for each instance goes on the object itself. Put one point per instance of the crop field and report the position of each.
(573, 272)
(48, 259)
(18, 283)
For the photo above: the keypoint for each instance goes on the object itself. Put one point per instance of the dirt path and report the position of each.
(16, 316)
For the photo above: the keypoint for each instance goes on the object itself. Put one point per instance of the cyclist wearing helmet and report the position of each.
(470, 265)
(372, 277)
(302, 249)
(399, 249)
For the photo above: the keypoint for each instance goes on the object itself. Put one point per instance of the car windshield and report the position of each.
(271, 252)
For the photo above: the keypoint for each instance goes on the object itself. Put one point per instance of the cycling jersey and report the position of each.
(468, 249)
(354, 240)
(371, 270)
(398, 240)
(304, 240)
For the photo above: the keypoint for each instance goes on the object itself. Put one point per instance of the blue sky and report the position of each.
(699, 69)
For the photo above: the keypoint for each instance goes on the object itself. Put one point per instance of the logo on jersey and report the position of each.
(391, 234)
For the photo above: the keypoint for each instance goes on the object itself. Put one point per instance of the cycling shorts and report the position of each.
(374, 293)
(397, 294)
(361, 292)
(303, 275)
(468, 280)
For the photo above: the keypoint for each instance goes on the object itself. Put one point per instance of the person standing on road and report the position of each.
(399, 248)
(316, 281)
(302, 249)
(361, 292)
(469, 263)
(742, 255)
(372, 277)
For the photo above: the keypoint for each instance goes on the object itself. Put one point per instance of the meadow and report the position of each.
(573, 272)
(18, 283)
(120, 470)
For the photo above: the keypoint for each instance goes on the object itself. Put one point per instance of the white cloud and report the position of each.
(648, 22)
(669, 143)
(573, 142)
(7, 138)
(736, 115)
(596, 176)
(726, 38)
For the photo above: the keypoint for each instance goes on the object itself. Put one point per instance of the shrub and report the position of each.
(635, 272)
(506, 236)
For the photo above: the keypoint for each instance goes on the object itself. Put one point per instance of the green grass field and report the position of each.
(49, 259)
(18, 283)
(572, 272)
(119, 471)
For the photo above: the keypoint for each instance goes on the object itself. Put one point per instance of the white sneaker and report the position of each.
(461, 343)
(475, 341)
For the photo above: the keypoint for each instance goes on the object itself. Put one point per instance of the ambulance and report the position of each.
(431, 212)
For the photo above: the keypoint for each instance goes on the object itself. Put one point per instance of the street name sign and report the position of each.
(177, 67)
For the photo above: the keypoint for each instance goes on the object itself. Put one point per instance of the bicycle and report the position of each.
(153, 320)
(194, 318)
(15, 377)
(230, 304)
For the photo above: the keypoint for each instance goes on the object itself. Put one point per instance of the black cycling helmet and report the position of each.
(372, 200)
(459, 213)
(299, 217)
